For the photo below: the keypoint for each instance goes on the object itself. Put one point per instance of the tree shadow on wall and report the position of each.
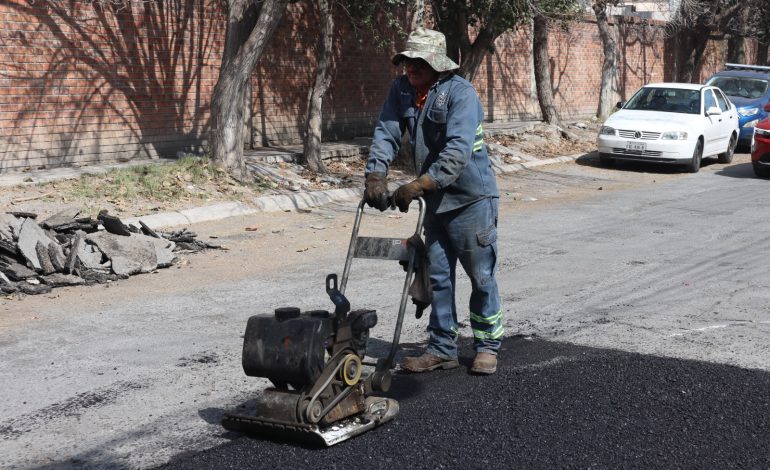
(559, 65)
(361, 74)
(638, 56)
(111, 81)
(504, 81)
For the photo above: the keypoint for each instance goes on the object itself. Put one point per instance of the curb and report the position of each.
(291, 202)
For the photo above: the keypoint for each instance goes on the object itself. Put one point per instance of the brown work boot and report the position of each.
(484, 363)
(427, 362)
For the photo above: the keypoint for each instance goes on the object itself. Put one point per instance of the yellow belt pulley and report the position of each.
(351, 369)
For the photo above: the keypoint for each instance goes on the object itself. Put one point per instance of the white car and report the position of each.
(679, 123)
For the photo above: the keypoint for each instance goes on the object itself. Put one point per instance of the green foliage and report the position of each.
(489, 19)
(377, 19)
(496, 15)
(504, 15)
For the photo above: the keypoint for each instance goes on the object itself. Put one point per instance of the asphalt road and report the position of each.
(551, 405)
(636, 303)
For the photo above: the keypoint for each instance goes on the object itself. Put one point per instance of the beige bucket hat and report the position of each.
(428, 45)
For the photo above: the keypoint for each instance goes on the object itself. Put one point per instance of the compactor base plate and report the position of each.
(378, 410)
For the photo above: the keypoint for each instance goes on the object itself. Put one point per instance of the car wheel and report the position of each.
(727, 157)
(606, 160)
(761, 171)
(697, 154)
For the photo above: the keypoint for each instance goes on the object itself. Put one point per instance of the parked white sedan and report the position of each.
(679, 123)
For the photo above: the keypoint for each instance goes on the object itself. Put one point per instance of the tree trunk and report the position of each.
(762, 51)
(736, 49)
(693, 44)
(311, 148)
(453, 24)
(473, 55)
(542, 69)
(608, 92)
(736, 43)
(244, 43)
(248, 112)
(418, 14)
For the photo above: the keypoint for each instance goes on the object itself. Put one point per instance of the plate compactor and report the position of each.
(323, 387)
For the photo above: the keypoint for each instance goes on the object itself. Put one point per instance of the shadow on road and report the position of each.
(592, 159)
(741, 171)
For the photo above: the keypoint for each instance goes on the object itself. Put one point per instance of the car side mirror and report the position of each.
(713, 111)
(767, 107)
(621, 103)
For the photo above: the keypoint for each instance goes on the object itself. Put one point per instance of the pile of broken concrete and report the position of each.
(67, 249)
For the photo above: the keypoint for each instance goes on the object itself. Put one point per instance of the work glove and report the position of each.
(376, 191)
(412, 190)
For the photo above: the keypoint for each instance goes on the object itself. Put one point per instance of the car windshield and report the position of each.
(751, 88)
(667, 100)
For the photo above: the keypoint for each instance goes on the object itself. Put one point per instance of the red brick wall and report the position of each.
(362, 75)
(82, 83)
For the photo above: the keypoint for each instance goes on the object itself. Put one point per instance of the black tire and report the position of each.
(761, 171)
(727, 157)
(606, 160)
(697, 156)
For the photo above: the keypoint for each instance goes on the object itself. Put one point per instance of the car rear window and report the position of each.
(743, 87)
(668, 100)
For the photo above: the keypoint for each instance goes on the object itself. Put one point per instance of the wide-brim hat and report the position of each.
(429, 46)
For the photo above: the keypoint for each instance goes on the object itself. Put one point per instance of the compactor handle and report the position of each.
(341, 303)
(382, 371)
(357, 226)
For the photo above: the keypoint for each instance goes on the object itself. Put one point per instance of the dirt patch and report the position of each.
(546, 141)
(153, 188)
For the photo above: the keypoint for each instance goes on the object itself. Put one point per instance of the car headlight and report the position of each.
(677, 135)
(607, 130)
(748, 111)
(751, 123)
(762, 132)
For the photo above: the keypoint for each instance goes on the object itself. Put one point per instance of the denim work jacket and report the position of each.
(447, 140)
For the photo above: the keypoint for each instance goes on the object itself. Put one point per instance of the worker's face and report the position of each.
(420, 74)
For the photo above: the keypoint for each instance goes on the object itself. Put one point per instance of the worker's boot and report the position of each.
(484, 363)
(427, 362)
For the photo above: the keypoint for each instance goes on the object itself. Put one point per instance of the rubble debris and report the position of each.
(22, 214)
(135, 253)
(147, 230)
(43, 260)
(63, 218)
(68, 249)
(113, 224)
(29, 236)
(186, 241)
(60, 279)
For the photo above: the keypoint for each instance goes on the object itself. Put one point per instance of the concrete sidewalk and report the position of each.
(278, 202)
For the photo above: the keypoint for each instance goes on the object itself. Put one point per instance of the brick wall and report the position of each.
(81, 83)
(84, 82)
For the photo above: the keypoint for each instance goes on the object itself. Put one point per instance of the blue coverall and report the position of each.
(447, 142)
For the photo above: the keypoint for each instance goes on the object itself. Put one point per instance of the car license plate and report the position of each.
(636, 146)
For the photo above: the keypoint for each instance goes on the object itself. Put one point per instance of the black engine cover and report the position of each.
(287, 348)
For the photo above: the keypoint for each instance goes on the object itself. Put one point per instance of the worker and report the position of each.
(443, 115)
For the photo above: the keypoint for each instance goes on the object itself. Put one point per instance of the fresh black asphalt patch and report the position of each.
(551, 405)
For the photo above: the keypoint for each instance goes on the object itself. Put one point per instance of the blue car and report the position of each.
(747, 87)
